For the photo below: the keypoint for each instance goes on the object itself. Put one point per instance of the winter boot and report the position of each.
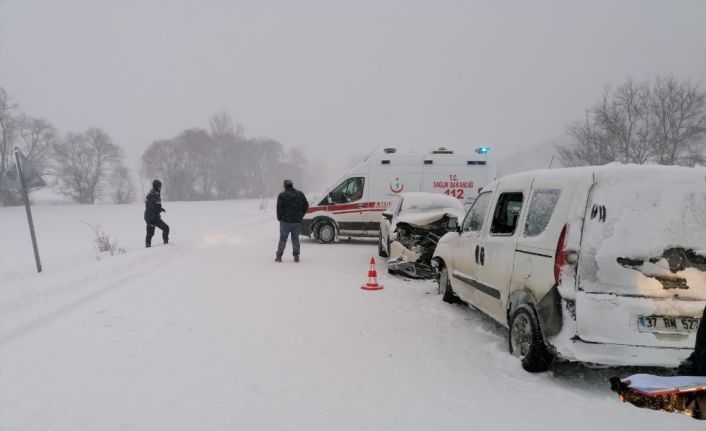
(278, 259)
(296, 258)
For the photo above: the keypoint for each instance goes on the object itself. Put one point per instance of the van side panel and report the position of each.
(554, 203)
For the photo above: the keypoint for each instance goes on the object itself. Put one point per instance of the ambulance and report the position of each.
(353, 206)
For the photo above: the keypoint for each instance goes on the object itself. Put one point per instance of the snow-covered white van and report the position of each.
(353, 205)
(599, 264)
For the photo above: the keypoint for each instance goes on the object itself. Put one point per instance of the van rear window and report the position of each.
(540, 211)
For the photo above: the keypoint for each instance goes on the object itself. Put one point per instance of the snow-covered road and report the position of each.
(211, 334)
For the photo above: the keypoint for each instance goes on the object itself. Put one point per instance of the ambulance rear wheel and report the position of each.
(326, 232)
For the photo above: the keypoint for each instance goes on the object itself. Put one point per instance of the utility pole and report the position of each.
(25, 195)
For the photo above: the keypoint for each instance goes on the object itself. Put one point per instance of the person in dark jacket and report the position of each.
(291, 207)
(153, 213)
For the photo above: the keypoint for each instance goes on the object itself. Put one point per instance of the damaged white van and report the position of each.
(602, 265)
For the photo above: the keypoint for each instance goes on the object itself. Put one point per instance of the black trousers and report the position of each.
(150, 232)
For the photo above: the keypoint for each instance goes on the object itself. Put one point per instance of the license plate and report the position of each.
(667, 324)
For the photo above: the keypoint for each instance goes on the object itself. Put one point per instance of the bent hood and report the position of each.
(423, 219)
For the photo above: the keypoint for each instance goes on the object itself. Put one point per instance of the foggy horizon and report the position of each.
(339, 80)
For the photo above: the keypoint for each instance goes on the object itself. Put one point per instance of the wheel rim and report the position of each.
(521, 337)
(326, 233)
(443, 281)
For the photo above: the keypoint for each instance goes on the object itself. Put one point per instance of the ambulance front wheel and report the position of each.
(326, 232)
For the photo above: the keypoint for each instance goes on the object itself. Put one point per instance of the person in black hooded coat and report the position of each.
(153, 214)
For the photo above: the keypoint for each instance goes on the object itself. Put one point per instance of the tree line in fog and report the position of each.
(221, 163)
(197, 164)
(662, 121)
(86, 166)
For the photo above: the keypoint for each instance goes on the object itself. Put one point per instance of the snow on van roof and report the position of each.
(616, 170)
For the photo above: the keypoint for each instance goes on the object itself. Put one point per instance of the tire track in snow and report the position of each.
(43, 317)
(138, 268)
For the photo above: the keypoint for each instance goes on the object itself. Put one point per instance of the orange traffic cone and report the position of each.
(372, 278)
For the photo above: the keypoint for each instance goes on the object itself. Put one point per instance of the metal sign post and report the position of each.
(25, 195)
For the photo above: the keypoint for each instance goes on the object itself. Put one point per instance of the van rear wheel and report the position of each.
(526, 342)
(326, 232)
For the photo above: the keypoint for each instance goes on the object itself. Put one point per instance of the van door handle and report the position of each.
(482, 256)
(477, 254)
(360, 205)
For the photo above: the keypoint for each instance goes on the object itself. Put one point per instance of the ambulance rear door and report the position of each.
(459, 176)
(394, 175)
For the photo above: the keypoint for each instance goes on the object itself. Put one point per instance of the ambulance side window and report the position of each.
(350, 190)
(355, 189)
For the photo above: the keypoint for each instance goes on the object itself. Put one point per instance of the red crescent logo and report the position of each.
(396, 186)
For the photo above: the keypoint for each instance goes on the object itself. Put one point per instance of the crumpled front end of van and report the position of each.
(413, 243)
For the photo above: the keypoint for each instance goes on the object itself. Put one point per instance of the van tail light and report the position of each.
(561, 254)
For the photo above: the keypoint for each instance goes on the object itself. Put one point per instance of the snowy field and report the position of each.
(209, 333)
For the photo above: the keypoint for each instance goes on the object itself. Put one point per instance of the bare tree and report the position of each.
(589, 147)
(221, 124)
(165, 160)
(9, 131)
(222, 164)
(201, 152)
(38, 138)
(35, 137)
(84, 163)
(679, 123)
(264, 159)
(663, 123)
(123, 189)
(230, 167)
(229, 140)
(294, 166)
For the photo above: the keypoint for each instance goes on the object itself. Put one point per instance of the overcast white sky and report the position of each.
(339, 78)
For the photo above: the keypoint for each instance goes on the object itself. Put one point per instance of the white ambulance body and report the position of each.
(353, 206)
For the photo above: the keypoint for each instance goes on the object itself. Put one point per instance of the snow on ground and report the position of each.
(210, 333)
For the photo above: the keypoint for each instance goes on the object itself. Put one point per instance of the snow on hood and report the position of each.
(423, 219)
